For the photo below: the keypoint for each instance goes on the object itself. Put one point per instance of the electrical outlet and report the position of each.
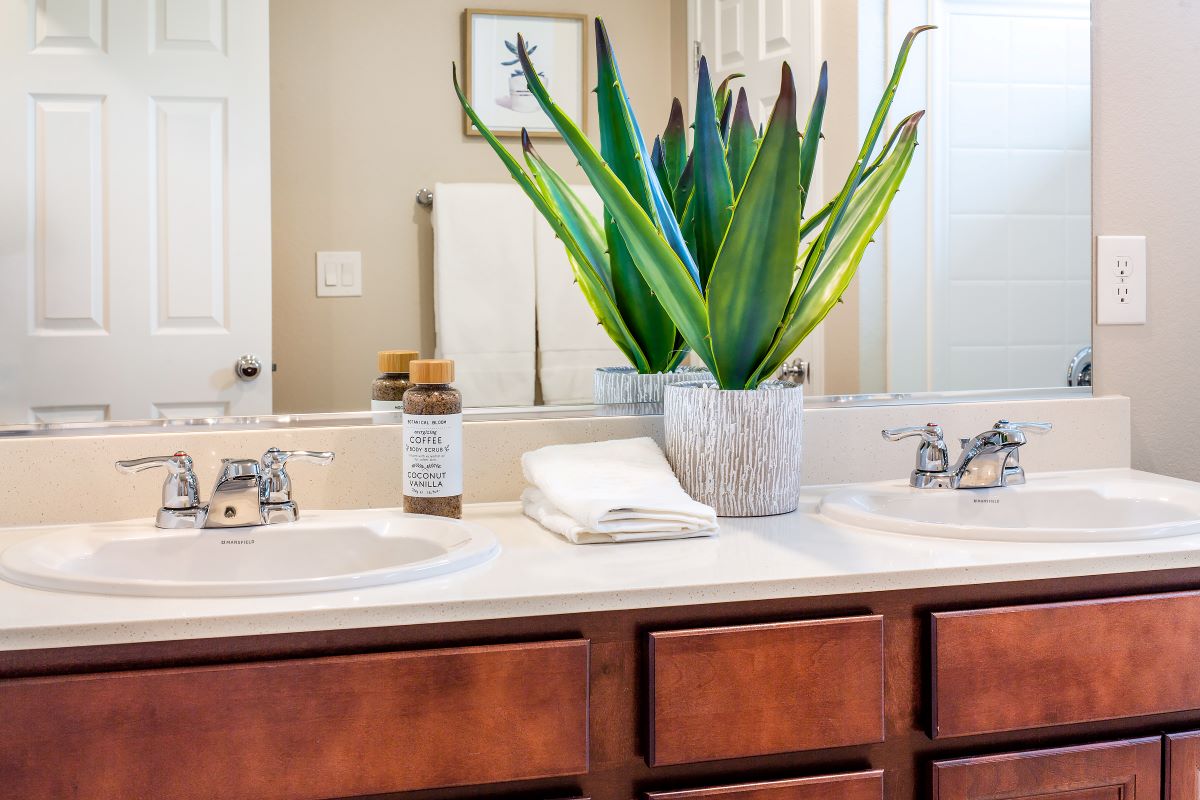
(1121, 280)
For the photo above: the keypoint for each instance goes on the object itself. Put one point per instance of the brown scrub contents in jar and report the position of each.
(387, 391)
(433, 440)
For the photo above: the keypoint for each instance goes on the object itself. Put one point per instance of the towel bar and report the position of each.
(425, 197)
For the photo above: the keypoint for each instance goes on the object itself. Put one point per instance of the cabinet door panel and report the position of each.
(1182, 753)
(850, 786)
(341, 726)
(753, 690)
(1125, 770)
(1005, 669)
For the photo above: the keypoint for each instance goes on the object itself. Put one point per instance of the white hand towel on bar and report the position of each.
(483, 287)
(614, 491)
(571, 344)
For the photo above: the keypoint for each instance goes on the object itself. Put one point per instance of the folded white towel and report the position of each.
(614, 491)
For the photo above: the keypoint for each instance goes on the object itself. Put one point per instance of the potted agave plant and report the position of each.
(603, 265)
(741, 273)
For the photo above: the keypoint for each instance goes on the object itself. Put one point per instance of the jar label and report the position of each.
(433, 455)
(387, 405)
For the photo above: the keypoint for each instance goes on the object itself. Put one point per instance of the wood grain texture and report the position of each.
(753, 690)
(1003, 669)
(1124, 770)
(1181, 770)
(866, 785)
(300, 730)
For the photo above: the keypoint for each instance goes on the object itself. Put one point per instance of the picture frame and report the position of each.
(493, 80)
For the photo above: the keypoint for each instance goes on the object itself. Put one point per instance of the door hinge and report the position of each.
(696, 57)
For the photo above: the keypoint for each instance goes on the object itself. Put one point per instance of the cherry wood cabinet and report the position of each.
(1181, 773)
(1124, 770)
(1078, 689)
(1032, 666)
(300, 729)
(853, 786)
(755, 690)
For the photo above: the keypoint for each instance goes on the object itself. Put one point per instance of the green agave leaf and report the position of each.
(610, 83)
(659, 262)
(748, 290)
(812, 134)
(587, 271)
(809, 225)
(658, 161)
(623, 150)
(863, 217)
(743, 143)
(582, 224)
(683, 192)
(723, 94)
(712, 194)
(674, 145)
(856, 174)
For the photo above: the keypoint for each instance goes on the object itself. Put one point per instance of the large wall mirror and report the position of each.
(187, 182)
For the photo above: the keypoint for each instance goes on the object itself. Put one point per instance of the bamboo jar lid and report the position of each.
(396, 360)
(431, 370)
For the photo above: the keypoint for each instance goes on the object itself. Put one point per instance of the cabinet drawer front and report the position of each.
(759, 689)
(1125, 770)
(850, 786)
(1005, 669)
(300, 730)
(1182, 769)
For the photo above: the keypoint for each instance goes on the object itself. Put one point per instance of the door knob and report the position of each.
(248, 367)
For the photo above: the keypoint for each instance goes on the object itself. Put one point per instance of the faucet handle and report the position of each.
(932, 455)
(1032, 427)
(930, 433)
(278, 485)
(180, 489)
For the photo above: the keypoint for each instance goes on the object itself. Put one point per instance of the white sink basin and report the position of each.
(1078, 507)
(324, 550)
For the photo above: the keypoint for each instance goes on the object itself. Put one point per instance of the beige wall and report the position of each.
(1146, 168)
(362, 115)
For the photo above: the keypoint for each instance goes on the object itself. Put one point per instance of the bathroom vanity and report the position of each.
(790, 658)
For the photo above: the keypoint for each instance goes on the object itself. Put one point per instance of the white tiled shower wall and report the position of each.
(1014, 278)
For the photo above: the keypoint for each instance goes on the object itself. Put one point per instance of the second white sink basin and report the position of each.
(324, 550)
(1078, 507)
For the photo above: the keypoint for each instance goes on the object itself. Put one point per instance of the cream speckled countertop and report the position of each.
(794, 555)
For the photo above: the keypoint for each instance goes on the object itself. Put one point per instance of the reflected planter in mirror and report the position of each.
(621, 385)
(737, 450)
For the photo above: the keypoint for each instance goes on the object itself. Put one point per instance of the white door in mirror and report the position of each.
(1121, 280)
(1101, 506)
(323, 551)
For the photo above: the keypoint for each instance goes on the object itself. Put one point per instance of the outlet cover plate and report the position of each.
(1121, 280)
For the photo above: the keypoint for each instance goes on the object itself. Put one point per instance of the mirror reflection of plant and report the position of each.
(714, 238)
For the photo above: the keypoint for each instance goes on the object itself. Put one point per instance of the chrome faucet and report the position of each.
(247, 491)
(988, 460)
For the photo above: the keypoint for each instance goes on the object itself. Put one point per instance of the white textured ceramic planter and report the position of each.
(737, 451)
(613, 385)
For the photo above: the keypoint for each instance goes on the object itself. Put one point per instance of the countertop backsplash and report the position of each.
(70, 479)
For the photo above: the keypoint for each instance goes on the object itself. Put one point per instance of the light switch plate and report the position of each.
(339, 274)
(1121, 280)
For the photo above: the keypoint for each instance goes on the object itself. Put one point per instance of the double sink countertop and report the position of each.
(793, 555)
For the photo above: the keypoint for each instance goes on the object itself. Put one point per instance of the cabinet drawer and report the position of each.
(300, 730)
(1125, 770)
(1004, 669)
(759, 689)
(850, 786)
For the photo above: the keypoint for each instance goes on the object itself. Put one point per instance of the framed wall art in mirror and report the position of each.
(492, 74)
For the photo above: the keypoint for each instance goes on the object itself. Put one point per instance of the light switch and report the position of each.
(339, 274)
(1121, 280)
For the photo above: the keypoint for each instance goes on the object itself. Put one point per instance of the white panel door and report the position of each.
(756, 37)
(134, 208)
